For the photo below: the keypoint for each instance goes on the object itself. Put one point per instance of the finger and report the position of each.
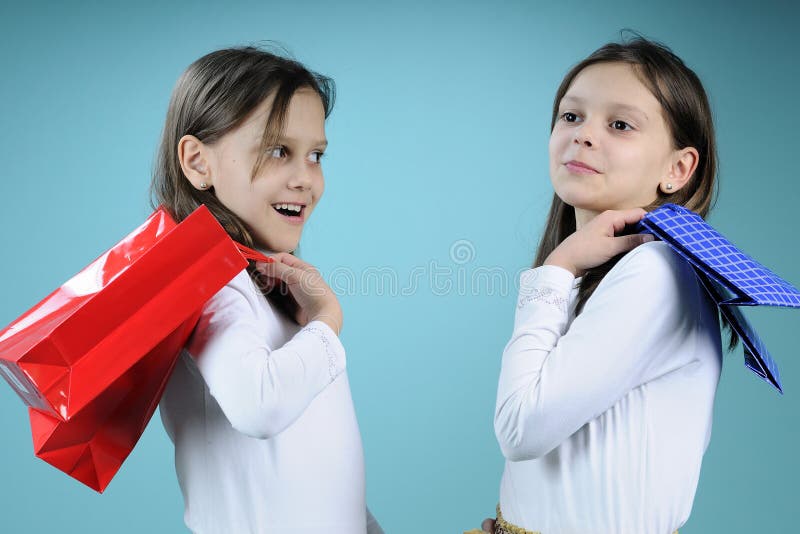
(273, 258)
(296, 262)
(301, 316)
(280, 271)
(632, 215)
(266, 283)
(261, 265)
(622, 218)
(280, 256)
(629, 242)
(307, 275)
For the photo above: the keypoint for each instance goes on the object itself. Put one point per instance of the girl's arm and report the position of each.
(259, 389)
(554, 380)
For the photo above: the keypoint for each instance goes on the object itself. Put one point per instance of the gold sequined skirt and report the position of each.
(501, 526)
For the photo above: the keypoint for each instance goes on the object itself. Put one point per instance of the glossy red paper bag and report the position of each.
(94, 443)
(93, 358)
(66, 350)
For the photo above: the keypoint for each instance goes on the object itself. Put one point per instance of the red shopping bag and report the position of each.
(66, 350)
(92, 359)
(94, 443)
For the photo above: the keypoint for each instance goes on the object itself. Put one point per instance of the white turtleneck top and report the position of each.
(261, 415)
(604, 418)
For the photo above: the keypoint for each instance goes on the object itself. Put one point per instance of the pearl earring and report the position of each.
(669, 187)
(203, 185)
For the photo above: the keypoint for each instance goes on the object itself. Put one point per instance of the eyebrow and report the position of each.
(615, 105)
(291, 140)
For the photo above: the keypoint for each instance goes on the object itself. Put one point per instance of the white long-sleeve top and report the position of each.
(604, 418)
(261, 415)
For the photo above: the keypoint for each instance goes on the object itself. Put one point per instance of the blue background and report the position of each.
(438, 149)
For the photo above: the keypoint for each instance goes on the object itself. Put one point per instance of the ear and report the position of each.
(194, 158)
(683, 165)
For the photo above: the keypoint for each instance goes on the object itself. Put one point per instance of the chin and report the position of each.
(278, 245)
(283, 247)
(576, 200)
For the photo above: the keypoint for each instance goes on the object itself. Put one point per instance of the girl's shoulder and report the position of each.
(653, 285)
(656, 255)
(240, 294)
(654, 268)
(241, 308)
(243, 295)
(652, 251)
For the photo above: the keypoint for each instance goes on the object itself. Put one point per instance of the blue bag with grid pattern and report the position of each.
(731, 278)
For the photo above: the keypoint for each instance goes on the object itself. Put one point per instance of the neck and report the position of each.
(582, 217)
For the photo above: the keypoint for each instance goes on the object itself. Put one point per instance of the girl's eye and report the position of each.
(569, 117)
(316, 156)
(621, 125)
(277, 152)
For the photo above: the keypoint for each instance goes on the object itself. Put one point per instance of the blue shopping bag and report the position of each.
(731, 277)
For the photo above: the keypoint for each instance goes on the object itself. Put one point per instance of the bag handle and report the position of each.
(254, 255)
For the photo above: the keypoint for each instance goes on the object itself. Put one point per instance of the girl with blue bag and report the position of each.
(607, 385)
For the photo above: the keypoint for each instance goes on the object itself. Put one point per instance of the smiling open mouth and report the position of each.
(291, 211)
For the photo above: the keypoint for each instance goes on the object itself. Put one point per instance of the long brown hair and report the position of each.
(688, 116)
(212, 97)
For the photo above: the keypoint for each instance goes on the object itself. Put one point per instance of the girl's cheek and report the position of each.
(561, 137)
(553, 147)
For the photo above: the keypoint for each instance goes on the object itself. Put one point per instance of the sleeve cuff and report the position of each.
(550, 276)
(337, 359)
(547, 284)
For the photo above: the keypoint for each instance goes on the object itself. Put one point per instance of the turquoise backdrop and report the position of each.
(437, 186)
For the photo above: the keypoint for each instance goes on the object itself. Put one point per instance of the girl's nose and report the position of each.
(583, 136)
(301, 177)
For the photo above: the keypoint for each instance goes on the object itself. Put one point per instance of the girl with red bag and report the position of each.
(259, 405)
